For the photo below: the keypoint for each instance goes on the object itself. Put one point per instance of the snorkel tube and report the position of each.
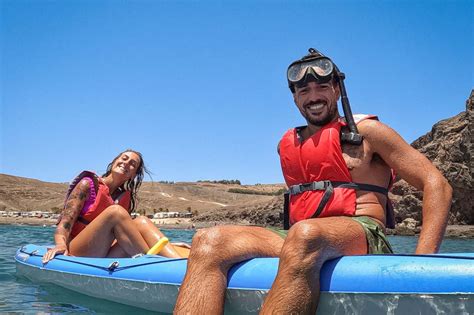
(353, 136)
(300, 71)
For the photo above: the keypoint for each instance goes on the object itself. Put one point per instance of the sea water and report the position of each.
(22, 296)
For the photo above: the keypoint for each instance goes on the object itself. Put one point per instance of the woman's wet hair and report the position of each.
(133, 184)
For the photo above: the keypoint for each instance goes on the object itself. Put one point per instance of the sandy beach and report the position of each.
(169, 223)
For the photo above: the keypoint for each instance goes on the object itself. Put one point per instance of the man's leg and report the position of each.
(309, 244)
(213, 252)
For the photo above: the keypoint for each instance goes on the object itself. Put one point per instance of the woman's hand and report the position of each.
(52, 252)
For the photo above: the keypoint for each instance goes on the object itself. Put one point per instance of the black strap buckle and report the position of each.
(295, 189)
(326, 184)
(319, 185)
(328, 191)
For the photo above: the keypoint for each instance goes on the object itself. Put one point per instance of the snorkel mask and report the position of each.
(319, 68)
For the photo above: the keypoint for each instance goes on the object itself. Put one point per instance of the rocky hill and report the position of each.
(448, 145)
(25, 194)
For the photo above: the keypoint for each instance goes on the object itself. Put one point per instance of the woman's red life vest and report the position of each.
(102, 201)
(318, 159)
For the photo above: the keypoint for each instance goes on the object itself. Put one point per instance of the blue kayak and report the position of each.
(407, 284)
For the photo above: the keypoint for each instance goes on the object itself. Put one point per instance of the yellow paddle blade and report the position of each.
(158, 246)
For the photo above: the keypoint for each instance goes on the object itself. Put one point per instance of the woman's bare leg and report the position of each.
(116, 251)
(152, 234)
(113, 223)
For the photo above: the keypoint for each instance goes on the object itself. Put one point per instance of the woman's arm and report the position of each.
(69, 215)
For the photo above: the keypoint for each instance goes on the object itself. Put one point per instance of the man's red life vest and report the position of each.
(317, 175)
(99, 200)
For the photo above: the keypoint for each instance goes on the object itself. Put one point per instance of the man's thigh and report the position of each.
(238, 242)
(337, 236)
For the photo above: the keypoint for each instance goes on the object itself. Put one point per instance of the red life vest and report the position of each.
(99, 199)
(317, 175)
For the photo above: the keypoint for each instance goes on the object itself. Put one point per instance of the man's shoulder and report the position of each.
(378, 133)
(371, 125)
(367, 124)
(358, 118)
(369, 129)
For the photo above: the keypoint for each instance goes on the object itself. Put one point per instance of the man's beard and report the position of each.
(324, 120)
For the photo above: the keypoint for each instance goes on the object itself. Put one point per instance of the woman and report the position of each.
(96, 222)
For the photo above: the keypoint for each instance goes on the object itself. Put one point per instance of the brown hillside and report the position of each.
(25, 194)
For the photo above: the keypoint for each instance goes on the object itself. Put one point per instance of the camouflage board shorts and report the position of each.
(377, 242)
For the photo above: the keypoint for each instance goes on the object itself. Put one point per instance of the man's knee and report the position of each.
(305, 244)
(209, 244)
(309, 235)
(210, 239)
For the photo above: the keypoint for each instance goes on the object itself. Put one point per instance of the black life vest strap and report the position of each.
(83, 220)
(286, 211)
(327, 194)
(323, 185)
(118, 194)
(328, 187)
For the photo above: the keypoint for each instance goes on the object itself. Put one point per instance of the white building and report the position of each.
(164, 215)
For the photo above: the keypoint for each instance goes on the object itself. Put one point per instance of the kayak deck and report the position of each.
(374, 283)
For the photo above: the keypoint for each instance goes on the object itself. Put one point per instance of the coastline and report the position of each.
(452, 231)
(170, 223)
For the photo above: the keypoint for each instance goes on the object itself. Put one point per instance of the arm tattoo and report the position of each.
(82, 195)
(74, 205)
(67, 225)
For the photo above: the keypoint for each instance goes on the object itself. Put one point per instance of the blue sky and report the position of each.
(199, 87)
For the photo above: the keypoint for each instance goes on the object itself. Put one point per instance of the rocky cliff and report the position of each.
(25, 194)
(449, 146)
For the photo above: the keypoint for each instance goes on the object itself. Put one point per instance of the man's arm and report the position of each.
(418, 171)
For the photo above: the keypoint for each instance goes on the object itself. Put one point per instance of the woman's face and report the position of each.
(126, 165)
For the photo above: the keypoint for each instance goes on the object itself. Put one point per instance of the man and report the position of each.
(338, 173)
